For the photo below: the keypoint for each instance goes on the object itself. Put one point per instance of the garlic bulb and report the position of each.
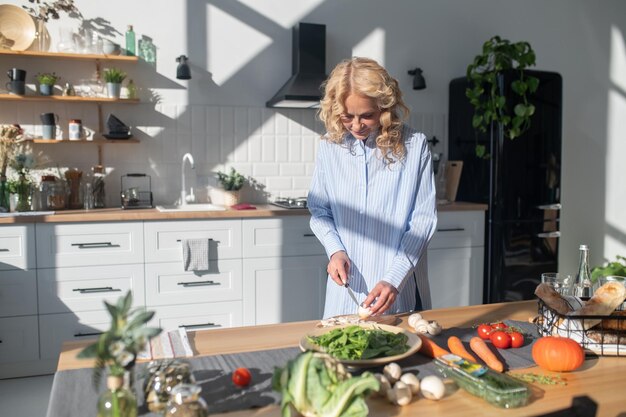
(385, 386)
(364, 312)
(412, 381)
(432, 387)
(393, 372)
(433, 328)
(413, 318)
(400, 394)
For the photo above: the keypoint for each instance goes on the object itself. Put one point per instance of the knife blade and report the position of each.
(352, 295)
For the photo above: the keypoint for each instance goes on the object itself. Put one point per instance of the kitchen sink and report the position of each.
(191, 207)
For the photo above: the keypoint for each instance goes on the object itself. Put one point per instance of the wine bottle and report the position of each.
(584, 287)
(130, 41)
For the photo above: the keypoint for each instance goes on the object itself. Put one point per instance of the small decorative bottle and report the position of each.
(130, 41)
(584, 287)
(185, 401)
(117, 401)
(132, 89)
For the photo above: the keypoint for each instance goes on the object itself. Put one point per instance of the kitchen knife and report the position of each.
(352, 294)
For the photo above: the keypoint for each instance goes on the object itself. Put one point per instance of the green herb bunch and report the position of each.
(232, 181)
(114, 75)
(117, 348)
(47, 78)
(617, 267)
(489, 103)
(355, 342)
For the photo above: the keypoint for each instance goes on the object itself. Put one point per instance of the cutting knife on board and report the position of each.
(352, 294)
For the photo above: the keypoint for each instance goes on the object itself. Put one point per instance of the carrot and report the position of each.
(480, 348)
(430, 348)
(456, 346)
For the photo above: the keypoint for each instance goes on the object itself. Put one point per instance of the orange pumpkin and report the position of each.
(558, 354)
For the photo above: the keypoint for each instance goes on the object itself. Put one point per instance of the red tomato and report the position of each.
(500, 339)
(242, 377)
(499, 325)
(484, 331)
(517, 339)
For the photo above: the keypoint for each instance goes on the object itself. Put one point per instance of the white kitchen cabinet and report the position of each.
(284, 289)
(19, 339)
(286, 236)
(202, 316)
(18, 293)
(17, 247)
(455, 259)
(54, 329)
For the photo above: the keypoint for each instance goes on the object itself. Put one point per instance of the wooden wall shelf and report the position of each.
(13, 97)
(61, 55)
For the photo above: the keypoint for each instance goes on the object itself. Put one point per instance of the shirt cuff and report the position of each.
(332, 244)
(398, 272)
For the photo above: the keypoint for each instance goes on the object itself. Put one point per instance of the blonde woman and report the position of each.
(372, 196)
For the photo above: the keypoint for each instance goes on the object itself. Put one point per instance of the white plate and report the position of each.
(413, 341)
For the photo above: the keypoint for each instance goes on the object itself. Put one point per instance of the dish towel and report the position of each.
(196, 254)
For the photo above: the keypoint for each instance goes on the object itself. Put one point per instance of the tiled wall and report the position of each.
(274, 147)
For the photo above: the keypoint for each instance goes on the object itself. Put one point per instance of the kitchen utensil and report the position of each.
(18, 26)
(352, 294)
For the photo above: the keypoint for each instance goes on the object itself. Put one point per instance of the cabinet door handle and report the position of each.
(4, 250)
(195, 326)
(198, 283)
(309, 235)
(452, 229)
(95, 245)
(179, 240)
(556, 206)
(96, 289)
(549, 234)
(79, 334)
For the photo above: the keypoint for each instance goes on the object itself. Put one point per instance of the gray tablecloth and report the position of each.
(74, 396)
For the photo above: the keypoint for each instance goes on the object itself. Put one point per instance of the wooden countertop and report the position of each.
(599, 378)
(117, 214)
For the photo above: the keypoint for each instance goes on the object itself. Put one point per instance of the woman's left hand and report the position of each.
(385, 295)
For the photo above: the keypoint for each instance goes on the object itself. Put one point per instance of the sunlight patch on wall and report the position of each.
(284, 12)
(225, 35)
(372, 46)
(615, 200)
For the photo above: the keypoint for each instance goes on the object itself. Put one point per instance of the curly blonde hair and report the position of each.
(365, 77)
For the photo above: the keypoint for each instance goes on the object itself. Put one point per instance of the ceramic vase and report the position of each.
(114, 89)
(116, 400)
(46, 89)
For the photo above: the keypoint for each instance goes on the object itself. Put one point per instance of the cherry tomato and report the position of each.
(500, 339)
(241, 377)
(499, 325)
(517, 339)
(484, 331)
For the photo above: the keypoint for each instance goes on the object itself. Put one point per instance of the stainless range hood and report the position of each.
(308, 67)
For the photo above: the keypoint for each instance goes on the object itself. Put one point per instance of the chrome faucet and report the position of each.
(184, 198)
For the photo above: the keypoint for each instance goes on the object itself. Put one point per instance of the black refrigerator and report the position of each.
(520, 182)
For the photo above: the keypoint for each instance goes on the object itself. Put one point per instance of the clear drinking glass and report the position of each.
(562, 283)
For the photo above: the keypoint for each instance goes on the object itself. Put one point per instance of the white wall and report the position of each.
(240, 53)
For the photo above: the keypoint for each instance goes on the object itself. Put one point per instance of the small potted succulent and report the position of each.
(113, 78)
(231, 183)
(46, 82)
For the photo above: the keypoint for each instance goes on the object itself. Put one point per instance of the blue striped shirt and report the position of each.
(383, 216)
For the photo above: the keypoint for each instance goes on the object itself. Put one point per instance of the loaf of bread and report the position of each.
(615, 324)
(553, 299)
(604, 301)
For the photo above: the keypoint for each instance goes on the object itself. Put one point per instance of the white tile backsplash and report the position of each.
(276, 148)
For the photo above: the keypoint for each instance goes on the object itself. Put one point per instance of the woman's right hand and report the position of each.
(338, 267)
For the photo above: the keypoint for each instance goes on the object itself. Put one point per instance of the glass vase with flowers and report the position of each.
(116, 350)
(10, 137)
(23, 161)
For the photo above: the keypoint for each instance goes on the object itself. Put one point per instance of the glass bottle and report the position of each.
(117, 401)
(130, 40)
(185, 401)
(584, 287)
(132, 89)
(97, 187)
(74, 178)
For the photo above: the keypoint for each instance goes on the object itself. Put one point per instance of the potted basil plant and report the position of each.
(46, 82)
(113, 78)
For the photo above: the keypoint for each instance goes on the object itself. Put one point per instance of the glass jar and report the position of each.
(185, 401)
(75, 198)
(162, 377)
(117, 401)
(97, 186)
(23, 194)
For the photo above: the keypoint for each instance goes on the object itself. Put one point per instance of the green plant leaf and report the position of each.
(520, 110)
(477, 120)
(530, 110)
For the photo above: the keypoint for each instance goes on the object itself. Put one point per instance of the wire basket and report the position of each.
(602, 335)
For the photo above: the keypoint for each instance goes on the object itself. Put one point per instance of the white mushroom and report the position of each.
(433, 328)
(421, 326)
(411, 380)
(432, 387)
(413, 318)
(385, 386)
(364, 312)
(400, 394)
(393, 372)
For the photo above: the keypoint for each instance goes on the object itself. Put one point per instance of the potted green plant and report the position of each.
(231, 183)
(113, 78)
(485, 92)
(46, 82)
(116, 349)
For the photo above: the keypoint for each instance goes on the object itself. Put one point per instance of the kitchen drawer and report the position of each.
(169, 283)
(199, 316)
(163, 239)
(19, 339)
(108, 243)
(287, 236)
(64, 290)
(459, 229)
(18, 293)
(17, 247)
(54, 329)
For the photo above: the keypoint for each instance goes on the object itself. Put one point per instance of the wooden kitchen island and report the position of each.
(601, 378)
